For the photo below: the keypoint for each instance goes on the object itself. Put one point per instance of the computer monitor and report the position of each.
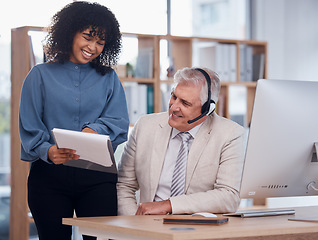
(281, 153)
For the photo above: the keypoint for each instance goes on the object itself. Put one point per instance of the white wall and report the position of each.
(290, 28)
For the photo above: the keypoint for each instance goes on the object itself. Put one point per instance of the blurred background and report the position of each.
(288, 26)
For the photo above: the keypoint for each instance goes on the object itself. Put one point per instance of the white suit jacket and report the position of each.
(214, 167)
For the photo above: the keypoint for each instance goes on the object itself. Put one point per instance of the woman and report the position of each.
(76, 90)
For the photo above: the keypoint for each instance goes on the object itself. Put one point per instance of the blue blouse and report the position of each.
(69, 96)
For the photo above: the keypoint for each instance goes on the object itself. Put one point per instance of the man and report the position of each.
(214, 160)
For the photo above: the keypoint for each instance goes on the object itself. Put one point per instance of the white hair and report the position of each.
(197, 78)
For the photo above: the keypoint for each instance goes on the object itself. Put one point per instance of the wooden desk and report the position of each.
(151, 227)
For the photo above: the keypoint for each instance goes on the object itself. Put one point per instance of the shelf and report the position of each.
(180, 52)
(247, 84)
(139, 80)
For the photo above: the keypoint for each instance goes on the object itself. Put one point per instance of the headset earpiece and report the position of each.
(208, 108)
(212, 107)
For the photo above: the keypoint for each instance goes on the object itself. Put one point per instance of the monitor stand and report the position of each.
(313, 159)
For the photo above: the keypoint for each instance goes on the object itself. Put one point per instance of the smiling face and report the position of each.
(185, 105)
(86, 46)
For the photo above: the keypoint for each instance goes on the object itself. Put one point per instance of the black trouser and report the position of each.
(55, 191)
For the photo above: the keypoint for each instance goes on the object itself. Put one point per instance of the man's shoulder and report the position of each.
(154, 118)
(150, 122)
(225, 123)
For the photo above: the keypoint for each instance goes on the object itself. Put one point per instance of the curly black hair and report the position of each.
(78, 16)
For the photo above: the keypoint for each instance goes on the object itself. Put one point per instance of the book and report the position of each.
(226, 63)
(95, 150)
(248, 63)
(210, 55)
(150, 102)
(137, 100)
(233, 62)
(242, 62)
(191, 219)
(144, 64)
(258, 66)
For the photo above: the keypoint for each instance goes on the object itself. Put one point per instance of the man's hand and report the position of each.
(154, 208)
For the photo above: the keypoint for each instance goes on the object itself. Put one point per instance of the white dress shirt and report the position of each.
(164, 186)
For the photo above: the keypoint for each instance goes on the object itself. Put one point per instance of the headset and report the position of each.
(209, 106)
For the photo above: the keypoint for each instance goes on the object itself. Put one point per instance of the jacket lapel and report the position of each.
(161, 140)
(198, 145)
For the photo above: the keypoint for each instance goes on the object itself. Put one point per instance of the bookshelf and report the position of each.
(235, 60)
(162, 50)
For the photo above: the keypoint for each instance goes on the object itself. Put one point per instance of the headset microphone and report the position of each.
(209, 106)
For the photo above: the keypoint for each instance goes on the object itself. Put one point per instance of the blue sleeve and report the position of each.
(34, 134)
(114, 119)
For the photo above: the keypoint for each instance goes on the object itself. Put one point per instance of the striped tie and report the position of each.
(178, 178)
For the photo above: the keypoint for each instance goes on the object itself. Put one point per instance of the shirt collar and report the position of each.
(192, 131)
(75, 66)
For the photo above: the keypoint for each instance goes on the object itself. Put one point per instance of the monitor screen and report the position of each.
(281, 155)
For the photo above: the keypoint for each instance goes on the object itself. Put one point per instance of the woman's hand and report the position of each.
(89, 130)
(61, 155)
